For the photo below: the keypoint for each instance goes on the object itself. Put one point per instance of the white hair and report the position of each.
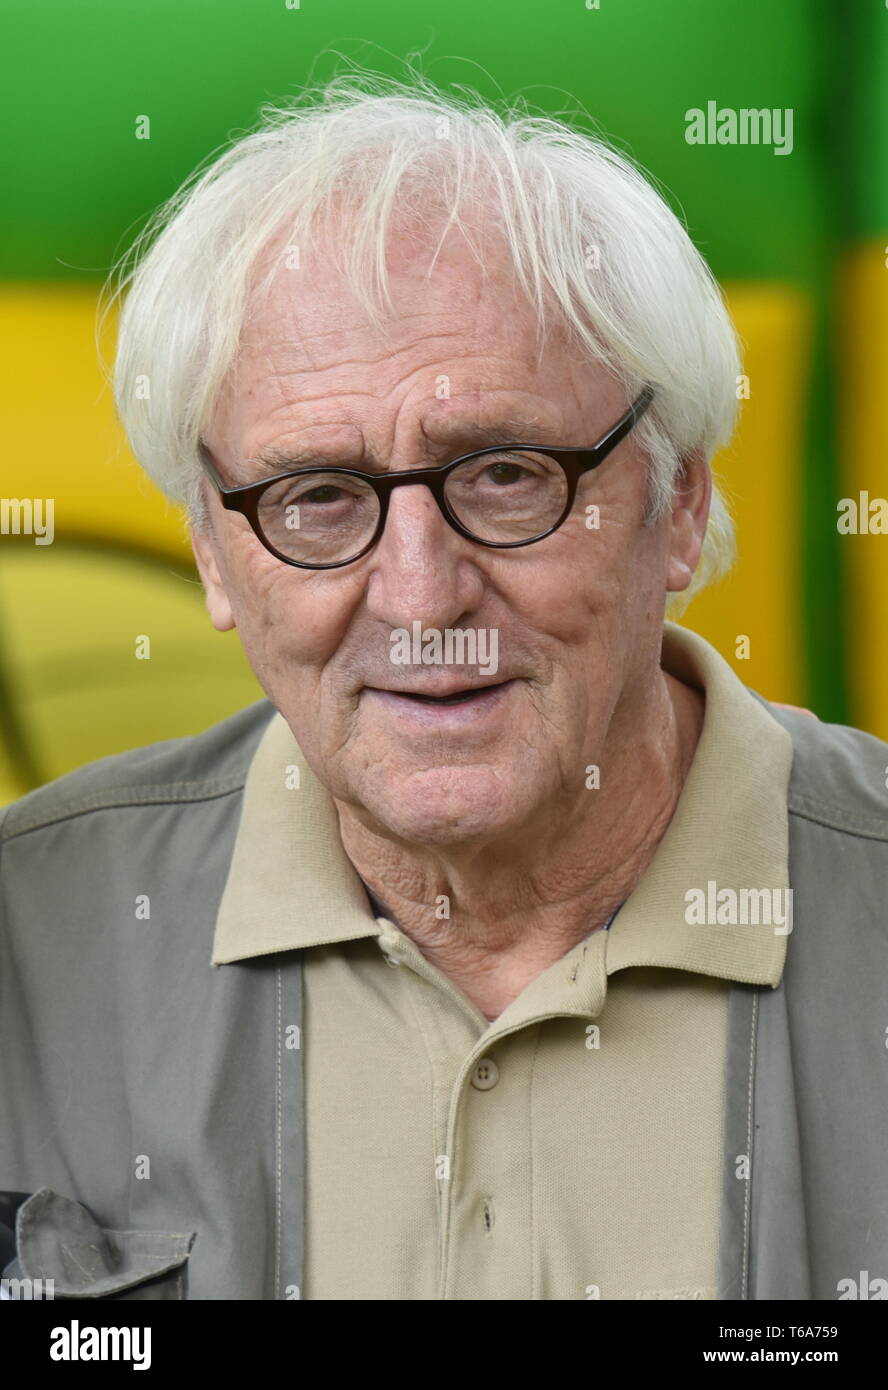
(591, 239)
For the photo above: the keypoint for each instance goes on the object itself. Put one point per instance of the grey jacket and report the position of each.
(151, 1105)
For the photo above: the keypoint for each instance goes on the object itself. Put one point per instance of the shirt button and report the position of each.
(485, 1074)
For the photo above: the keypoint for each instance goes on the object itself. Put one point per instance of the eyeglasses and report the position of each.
(504, 496)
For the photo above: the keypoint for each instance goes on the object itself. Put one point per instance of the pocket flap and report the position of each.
(59, 1239)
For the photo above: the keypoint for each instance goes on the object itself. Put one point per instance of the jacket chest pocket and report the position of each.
(59, 1243)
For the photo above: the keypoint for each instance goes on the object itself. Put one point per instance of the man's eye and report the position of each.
(308, 492)
(326, 493)
(506, 472)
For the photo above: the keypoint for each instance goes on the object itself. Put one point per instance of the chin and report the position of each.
(448, 805)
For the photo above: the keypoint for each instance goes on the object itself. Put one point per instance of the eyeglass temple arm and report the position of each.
(211, 470)
(622, 427)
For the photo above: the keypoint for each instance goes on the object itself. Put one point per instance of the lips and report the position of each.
(453, 709)
(453, 697)
(457, 698)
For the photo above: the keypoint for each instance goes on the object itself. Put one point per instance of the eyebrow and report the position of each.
(456, 438)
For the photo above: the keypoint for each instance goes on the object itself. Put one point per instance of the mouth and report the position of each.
(454, 696)
(465, 702)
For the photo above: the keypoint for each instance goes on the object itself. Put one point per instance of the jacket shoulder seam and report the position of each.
(837, 817)
(170, 793)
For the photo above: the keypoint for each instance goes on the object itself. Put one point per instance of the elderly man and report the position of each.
(513, 948)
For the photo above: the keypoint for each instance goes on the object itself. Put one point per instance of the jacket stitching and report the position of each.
(749, 1144)
(837, 817)
(173, 794)
(30, 1215)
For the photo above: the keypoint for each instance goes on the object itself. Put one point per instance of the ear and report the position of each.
(690, 512)
(203, 543)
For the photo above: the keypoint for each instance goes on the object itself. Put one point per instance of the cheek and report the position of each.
(600, 588)
(249, 582)
(584, 580)
(264, 601)
(289, 622)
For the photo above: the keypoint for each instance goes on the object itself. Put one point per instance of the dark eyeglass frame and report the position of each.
(575, 460)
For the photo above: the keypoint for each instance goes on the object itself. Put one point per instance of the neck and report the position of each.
(516, 906)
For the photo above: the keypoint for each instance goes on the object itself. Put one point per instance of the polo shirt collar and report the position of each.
(730, 830)
(291, 885)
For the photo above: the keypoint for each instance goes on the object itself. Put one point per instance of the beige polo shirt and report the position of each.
(572, 1148)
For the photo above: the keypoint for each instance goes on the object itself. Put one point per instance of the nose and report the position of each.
(421, 569)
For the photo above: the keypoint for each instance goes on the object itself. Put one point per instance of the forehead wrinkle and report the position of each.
(507, 429)
(451, 434)
(487, 425)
